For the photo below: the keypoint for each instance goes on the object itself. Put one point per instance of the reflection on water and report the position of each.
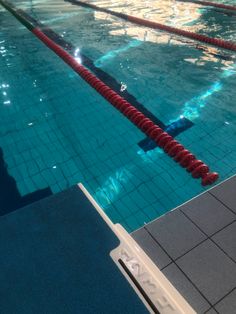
(113, 53)
(192, 109)
(189, 16)
(110, 189)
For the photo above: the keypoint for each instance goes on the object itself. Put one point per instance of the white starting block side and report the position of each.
(153, 288)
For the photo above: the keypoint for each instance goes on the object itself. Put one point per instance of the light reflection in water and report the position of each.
(110, 189)
(62, 17)
(191, 109)
(113, 53)
(4, 86)
(77, 55)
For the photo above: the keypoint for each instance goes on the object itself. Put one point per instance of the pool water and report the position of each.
(56, 131)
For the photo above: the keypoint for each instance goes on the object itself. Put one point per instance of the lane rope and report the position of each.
(220, 43)
(173, 148)
(212, 4)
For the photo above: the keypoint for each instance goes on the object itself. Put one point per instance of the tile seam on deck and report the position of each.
(228, 293)
(173, 262)
(208, 238)
(220, 200)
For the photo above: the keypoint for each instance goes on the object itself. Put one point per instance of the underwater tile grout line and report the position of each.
(172, 147)
(220, 43)
(212, 4)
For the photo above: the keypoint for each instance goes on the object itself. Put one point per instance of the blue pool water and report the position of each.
(55, 131)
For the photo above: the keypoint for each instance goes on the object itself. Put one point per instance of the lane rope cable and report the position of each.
(173, 148)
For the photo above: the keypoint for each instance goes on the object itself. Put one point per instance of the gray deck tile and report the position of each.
(208, 213)
(226, 193)
(210, 270)
(186, 288)
(226, 239)
(175, 233)
(151, 247)
(228, 304)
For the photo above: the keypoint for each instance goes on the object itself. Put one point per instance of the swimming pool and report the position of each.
(56, 131)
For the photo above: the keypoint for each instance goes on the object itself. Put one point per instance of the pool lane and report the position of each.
(212, 4)
(220, 43)
(86, 61)
(196, 167)
(147, 144)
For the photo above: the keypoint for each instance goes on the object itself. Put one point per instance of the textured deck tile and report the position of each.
(226, 193)
(186, 288)
(210, 270)
(208, 213)
(228, 304)
(151, 247)
(175, 233)
(226, 239)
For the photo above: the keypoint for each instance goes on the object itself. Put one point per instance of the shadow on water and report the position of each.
(10, 198)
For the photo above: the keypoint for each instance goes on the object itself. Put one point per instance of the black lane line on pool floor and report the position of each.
(146, 144)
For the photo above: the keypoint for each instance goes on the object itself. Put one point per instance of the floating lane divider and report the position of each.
(212, 4)
(220, 43)
(104, 76)
(172, 147)
(174, 128)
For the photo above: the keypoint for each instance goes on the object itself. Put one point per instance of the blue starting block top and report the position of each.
(54, 257)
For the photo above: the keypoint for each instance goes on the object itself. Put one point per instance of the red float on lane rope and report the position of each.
(162, 139)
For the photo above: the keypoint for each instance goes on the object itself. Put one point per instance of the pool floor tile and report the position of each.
(210, 270)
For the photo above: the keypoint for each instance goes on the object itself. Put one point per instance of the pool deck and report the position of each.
(195, 248)
(58, 255)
